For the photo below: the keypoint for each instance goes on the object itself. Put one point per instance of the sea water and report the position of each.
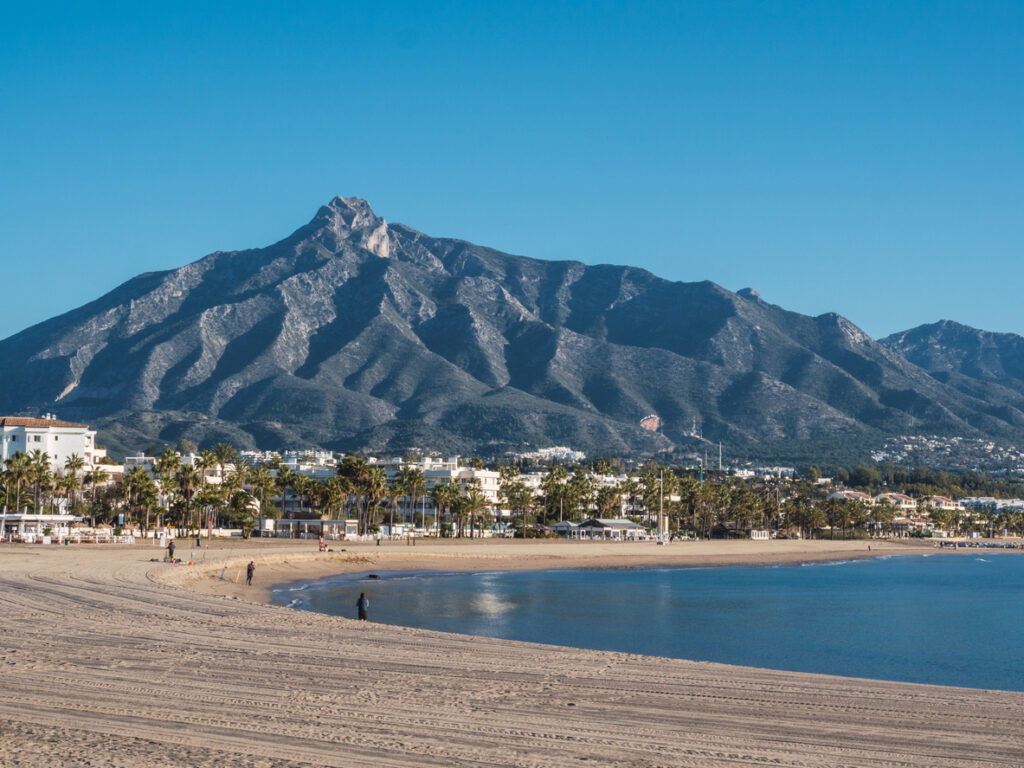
(948, 619)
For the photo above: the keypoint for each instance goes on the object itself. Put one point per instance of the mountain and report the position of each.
(946, 347)
(355, 333)
(981, 364)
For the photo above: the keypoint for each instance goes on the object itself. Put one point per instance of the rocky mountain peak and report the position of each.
(352, 220)
(351, 213)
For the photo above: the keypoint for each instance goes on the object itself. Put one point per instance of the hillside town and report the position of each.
(977, 454)
(59, 485)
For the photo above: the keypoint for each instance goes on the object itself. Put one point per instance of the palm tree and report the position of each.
(304, 486)
(209, 499)
(357, 471)
(553, 487)
(19, 471)
(413, 482)
(473, 503)
(285, 480)
(337, 490)
(148, 499)
(580, 493)
(261, 480)
(239, 507)
(520, 502)
(608, 499)
(630, 489)
(133, 482)
(187, 479)
(395, 490)
(51, 484)
(205, 462)
(441, 496)
(375, 489)
(69, 485)
(94, 477)
(165, 467)
(74, 464)
(39, 461)
(224, 454)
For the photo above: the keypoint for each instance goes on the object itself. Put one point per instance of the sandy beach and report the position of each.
(110, 659)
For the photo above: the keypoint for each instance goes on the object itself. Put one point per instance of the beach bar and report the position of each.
(32, 528)
(622, 530)
(290, 528)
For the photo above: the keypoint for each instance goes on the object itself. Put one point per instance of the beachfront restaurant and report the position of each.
(618, 530)
(35, 529)
(566, 529)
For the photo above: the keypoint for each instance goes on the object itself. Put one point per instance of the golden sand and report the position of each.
(108, 659)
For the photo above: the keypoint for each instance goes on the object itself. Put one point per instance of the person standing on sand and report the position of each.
(362, 604)
(249, 569)
(170, 550)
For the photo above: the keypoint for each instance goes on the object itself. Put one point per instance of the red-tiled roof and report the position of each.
(19, 421)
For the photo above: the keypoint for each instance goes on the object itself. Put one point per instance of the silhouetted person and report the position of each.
(249, 569)
(362, 604)
(170, 550)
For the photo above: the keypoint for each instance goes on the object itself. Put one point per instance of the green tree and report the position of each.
(261, 480)
(413, 484)
(375, 488)
(608, 501)
(442, 496)
(580, 494)
(17, 473)
(554, 491)
(474, 502)
(39, 461)
(73, 464)
(188, 480)
(520, 501)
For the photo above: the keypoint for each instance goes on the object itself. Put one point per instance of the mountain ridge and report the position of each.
(353, 333)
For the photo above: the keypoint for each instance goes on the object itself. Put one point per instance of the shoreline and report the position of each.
(110, 658)
(303, 562)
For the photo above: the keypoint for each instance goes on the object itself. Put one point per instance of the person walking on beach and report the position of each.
(170, 550)
(362, 604)
(249, 569)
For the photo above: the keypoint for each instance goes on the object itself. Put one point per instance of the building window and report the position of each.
(36, 439)
(56, 438)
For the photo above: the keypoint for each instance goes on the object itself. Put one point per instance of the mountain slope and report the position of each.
(355, 333)
(983, 365)
(949, 347)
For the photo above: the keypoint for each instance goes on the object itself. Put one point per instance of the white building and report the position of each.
(941, 502)
(448, 472)
(59, 439)
(860, 496)
(903, 503)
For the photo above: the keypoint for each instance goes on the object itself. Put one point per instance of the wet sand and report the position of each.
(108, 659)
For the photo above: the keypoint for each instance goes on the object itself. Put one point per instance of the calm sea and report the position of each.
(943, 619)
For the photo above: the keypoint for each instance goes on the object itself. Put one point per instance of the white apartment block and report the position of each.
(59, 439)
(448, 472)
(210, 474)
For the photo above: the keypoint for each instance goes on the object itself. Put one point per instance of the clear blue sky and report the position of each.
(863, 158)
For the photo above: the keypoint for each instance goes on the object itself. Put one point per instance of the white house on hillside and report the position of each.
(860, 496)
(903, 503)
